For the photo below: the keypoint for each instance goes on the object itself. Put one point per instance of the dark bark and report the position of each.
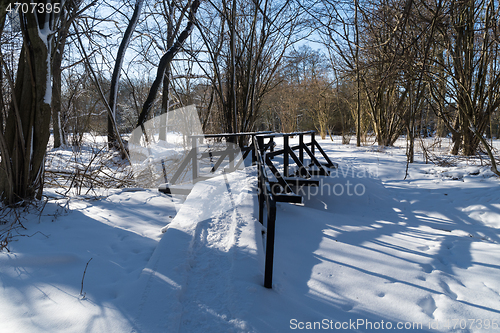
(56, 86)
(165, 102)
(3, 15)
(358, 88)
(115, 78)
(165, 60)
(27, 129)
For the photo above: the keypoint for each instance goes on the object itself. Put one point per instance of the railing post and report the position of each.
(261, 199)
(254, 151)
(301, 148)
(194, 163)
(268, 273)
(260, 178)
(313, 140)
(271, 145)
(260, 144)
(285, 155)
(230, 148)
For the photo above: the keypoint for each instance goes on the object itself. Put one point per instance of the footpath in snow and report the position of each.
(206, 263)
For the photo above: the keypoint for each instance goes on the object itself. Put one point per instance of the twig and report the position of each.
(83, 278)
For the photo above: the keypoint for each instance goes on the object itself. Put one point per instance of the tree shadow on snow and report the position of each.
(44, 274)
(403, 239)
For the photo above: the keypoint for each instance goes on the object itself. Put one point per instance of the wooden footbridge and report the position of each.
(295, 173)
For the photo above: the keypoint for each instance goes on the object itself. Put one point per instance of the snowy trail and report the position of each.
(191, 282)
(209, 293)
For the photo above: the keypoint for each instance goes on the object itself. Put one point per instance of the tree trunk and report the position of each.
(165, 104)
(165, 101)
(165, 60)
(27, 130)
(69, 12)
(115, 78)
(358, 89)
(3, 15)
(56, 90)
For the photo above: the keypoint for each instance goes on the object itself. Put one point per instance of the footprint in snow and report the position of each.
(443, 261)
(427, 268)
(346, 307)
(447, 290)
(428, 306)
(448, 245)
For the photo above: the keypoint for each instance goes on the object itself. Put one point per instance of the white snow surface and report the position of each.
(421, 253)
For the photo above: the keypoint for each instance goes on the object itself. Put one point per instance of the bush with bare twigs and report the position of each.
(86, 169)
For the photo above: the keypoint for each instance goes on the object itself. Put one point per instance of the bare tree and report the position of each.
(370, 48)
(165, 60)
(468, 32)
(70, 11)
(161, 26)
(245, 42)
(115, 78)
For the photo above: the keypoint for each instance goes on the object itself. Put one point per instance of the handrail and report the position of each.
(227, 135)
(231, 153)
(279, 135)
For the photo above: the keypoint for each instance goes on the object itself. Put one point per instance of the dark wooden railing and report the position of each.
(282, 188)
(270, 192)
(231, 152)
(266, 198)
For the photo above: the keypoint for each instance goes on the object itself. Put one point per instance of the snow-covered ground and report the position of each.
(367, 251)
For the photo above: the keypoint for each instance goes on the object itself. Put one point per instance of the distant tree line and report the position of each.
(421, 67)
